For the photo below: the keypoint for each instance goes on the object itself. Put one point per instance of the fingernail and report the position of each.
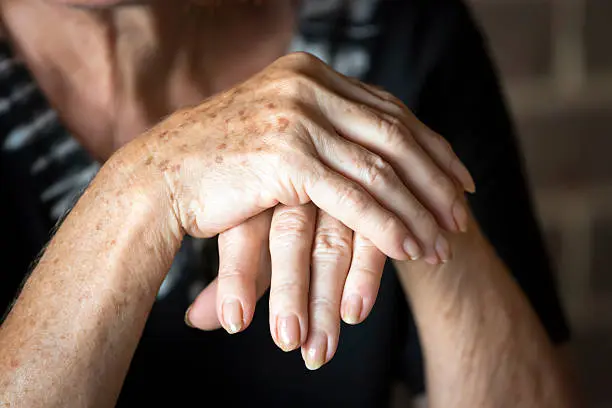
(352, 309)
(232, 315)
(443, 248)
(460, 215)
(187, 321)
(289, 332)
(432, 259)
(316, 351)
(412, 248)
(465, 177)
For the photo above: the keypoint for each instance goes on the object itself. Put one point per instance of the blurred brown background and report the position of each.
(555, 58)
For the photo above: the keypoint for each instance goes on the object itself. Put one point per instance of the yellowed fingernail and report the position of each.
(352, 309)
(288, 332)
(232, 315)
(316, 351)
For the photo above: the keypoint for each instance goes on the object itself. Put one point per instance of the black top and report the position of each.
(427, 52)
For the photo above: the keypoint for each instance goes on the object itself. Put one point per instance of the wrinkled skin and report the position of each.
(295, 134)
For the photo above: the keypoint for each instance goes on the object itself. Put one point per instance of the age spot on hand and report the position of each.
(219, 159)
(163, 166)
(283, 124)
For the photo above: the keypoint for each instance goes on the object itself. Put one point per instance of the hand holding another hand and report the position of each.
(252, 163)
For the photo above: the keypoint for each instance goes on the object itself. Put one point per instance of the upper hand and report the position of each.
(299, 132)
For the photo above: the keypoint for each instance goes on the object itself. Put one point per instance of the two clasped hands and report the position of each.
(332, 175)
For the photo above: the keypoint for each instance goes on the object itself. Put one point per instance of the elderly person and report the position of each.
(288, 163)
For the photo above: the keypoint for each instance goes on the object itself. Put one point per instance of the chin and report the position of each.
(101, 3)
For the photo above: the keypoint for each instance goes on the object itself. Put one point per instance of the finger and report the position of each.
(388, 137)
(363, 280)
(353, 89)
(381, 181)
(242, 258)
(202, 314)
(437, 146)
(291, 234)
(362, 117)
(331, 257)
(349, 202)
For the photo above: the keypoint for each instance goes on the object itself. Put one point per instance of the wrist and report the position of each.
(131, 173)
(473, 265)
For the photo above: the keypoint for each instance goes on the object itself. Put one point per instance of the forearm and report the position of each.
(483, 344)
(70, 336)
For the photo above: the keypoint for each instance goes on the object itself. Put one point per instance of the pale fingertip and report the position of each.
(232, 316)
(412, 249)
(316, 351)
(352, 308)
(288, 329)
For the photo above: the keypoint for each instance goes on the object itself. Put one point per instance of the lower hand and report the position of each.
(322, 271)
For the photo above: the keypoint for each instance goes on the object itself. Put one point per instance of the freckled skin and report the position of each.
(163, 166)
(283, 124)
(268, 157)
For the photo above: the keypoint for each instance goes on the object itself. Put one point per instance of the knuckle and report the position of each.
(377, 171)
(445, 187)
(368, 273)
(291, 223)
(291, 112)
(297, 85)
(392, 130)
(301, 59)
(323, 304)
(331, 243)
(231, 274)
(290, 289)
(394, 104)
(354, 197)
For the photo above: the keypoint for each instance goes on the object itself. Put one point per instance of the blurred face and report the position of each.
(100, 3)
(114, 3)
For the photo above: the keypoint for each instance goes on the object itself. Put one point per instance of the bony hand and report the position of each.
(297, 133)
(322, 271)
